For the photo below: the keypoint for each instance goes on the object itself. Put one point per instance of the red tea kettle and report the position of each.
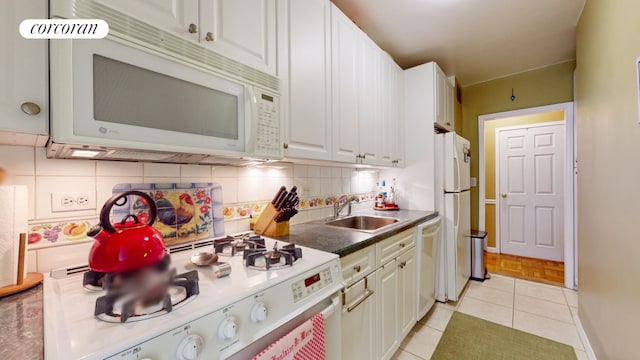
(129, 244)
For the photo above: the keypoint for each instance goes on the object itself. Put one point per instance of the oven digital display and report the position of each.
(311, 280)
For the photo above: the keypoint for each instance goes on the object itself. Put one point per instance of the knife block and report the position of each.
(266, 224)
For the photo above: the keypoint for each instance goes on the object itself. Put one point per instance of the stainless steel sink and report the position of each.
(362, 222)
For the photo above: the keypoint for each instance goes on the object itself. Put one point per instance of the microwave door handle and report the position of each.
(251, 117)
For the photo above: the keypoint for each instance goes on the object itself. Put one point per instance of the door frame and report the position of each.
(497, 171)
(570, 256)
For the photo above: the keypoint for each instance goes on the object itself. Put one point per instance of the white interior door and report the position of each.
(531, 190)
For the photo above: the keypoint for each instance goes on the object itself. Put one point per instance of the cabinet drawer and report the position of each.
(395, 245)
(357, 265)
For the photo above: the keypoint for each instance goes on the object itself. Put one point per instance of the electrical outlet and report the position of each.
(72, 201)
(82, 200)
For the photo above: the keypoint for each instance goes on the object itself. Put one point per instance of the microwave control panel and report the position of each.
(268, 125)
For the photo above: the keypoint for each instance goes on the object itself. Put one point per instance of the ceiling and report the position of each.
(476, 40)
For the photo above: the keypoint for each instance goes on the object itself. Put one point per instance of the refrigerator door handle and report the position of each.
(456, 174)
(456, 209)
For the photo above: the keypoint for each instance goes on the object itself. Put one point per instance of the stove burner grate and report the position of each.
(230, 246)
(278, 258)
(143, 293)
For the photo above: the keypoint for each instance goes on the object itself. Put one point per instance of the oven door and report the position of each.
(329, 308)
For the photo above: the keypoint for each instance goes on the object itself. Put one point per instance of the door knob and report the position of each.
(504, 195)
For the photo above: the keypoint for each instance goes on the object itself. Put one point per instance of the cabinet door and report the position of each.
(392, 139)
(451, 96)
(369, 123)
(441, 97)
(407, 291)
(387, 310)
(444, 101)
(176, 16)
(24, 76)
(359, 320)
(243, 30)
(305, 50)
(399, 124)
(345, 39)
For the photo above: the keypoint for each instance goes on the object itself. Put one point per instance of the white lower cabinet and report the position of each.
(378, 305)
(388, 309)
(358, 319)
(407, 271)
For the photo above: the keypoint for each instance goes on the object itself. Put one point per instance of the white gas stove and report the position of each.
(232, 317)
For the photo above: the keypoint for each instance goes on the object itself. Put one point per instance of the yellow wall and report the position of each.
(545, 86)
(490, 127)
(608, 143)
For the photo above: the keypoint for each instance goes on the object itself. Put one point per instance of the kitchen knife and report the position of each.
(289, 199)
(280, 202)
(280, 191)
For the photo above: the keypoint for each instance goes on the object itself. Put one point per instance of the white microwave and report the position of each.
(120, 100)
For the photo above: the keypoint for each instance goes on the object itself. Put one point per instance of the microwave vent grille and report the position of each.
(149, 36)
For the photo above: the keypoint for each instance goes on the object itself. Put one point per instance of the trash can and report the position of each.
(478, 268)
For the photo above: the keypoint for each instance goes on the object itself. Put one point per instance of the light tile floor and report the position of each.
(544, 310)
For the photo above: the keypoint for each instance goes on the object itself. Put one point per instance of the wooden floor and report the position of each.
(546, 271)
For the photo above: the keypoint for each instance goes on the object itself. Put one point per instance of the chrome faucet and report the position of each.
(337, 208)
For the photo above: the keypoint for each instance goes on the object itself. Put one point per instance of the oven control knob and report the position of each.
(190, 347)
(258, 312)
(228, 328)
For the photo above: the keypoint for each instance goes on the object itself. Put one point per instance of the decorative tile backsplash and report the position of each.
(185, 212)
(245, 192)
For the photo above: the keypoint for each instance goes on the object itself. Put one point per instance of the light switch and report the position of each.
(473, 182)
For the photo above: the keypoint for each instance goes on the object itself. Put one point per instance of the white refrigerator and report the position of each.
(453, 202)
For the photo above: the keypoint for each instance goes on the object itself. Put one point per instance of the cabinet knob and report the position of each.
(402, 245)
(364, 156)
(356, 268)
(285, 145)
(504, 195)
(193, 28)
(209, 36)
(30, 108)
(402, 265)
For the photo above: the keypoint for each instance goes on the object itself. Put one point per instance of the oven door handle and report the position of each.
(329, 310)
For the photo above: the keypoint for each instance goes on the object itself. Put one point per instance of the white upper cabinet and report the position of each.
(429, 96)
(365, 94)
(304, 53)
(24, 79)
(444, 117)
(176, 16)
(242, 30)
(345, 38)
(392, 150)
(370, 115)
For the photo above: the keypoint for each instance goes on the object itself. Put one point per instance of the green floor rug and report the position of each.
(467, 337)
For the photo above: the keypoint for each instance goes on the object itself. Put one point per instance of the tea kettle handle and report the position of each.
(106, 209)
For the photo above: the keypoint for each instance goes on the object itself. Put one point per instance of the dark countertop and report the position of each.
(22, 336)
(343, 241)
